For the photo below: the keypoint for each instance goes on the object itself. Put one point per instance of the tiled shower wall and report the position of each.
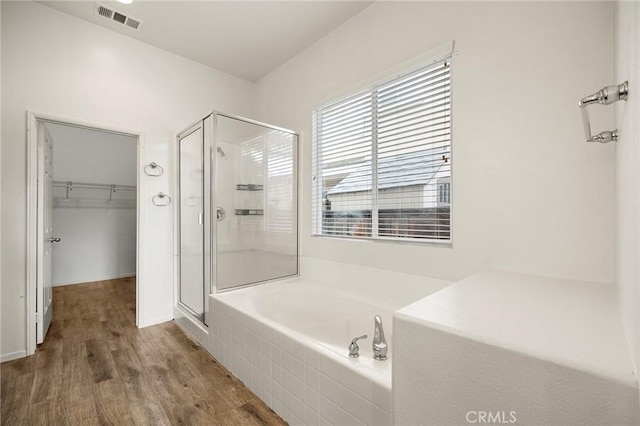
(299, 382)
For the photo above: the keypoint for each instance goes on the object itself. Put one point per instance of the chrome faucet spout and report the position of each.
(379, 342)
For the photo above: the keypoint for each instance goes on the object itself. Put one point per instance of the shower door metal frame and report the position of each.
(214, 200)
(206, 144)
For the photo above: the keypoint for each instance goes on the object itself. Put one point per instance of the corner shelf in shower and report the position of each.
(249, 212)
(249, 187)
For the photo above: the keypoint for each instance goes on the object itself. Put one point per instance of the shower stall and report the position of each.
(236, 207)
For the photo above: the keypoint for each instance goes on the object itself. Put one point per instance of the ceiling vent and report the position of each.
(119, 17)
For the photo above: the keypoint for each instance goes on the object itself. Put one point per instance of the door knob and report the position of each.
(54, 240)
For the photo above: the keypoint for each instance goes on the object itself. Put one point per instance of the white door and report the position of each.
(44, 290)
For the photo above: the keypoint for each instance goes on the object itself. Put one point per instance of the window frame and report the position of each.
(443, 55)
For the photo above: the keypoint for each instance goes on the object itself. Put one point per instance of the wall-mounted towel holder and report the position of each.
(153, 169)
(605, 96)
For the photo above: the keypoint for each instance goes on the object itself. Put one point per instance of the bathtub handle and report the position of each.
(353, 347)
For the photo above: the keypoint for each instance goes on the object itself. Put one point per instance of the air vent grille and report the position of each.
(119, 17)
(103, 11)
(132, 23)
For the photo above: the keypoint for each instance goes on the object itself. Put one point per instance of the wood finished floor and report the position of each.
(96, 368)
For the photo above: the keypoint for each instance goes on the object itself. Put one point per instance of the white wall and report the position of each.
(83, 155)
(528, 195)
(56, 64)
(627, 207)
(97, 243)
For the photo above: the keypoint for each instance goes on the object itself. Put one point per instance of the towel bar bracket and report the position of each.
(605, 96)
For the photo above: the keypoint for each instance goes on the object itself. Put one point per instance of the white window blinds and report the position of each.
(382, 160)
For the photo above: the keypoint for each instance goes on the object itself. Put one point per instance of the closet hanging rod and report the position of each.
(84, 185)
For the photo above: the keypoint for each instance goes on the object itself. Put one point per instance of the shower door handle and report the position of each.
(199, 218)
(220, 214)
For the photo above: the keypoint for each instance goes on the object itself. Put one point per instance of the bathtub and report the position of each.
(288, 342)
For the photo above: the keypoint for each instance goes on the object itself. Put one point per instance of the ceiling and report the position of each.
(247, 39)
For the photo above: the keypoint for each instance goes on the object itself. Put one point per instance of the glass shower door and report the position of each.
(191, 234)
(256, 236)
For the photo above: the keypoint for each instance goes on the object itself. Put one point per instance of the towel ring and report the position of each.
(153, 169)
(157, 199)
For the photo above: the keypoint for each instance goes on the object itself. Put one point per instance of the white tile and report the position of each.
(287, 381)
(329, 410)
(312, 399)
(354, 404)
(313, 418)
(347, 419)
(276, 355)
(298, 369)
(299, 388)
(287, 362)
(287, 399)
(276, 338)
(382, 418)
(324, 422)
(266, 332)
(298, 421)
(288, 416)
(298, 350)
(257, 378)
(287, 344)
(311, 357)
(328, 388)
(256, 357)
(278, 408)
(382, 397)
(268, 398)
(276, 390)
(276, 373)
(347, 377)
(255, 326)
(266, 347)
(266, 365)
(299, 409)
(313, 378)
(326, 365)
(259, 391)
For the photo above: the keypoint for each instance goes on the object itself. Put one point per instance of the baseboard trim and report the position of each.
(133, 274)
(154, 321)
(13, 355)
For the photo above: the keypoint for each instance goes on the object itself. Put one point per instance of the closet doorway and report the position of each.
(83, 216)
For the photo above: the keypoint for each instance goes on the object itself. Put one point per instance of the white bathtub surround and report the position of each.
(550, 350)
(288, 340)
(627, 190)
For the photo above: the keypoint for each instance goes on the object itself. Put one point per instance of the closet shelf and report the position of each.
(93, 195)
(84, 185)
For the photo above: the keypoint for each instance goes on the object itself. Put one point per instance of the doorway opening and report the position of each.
(83, 215)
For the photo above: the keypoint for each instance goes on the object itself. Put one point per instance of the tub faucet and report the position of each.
(379, 342)
(353, 347)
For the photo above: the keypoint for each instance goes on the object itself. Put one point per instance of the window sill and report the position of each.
(413, 242)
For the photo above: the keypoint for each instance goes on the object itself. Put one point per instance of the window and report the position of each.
(382, 160)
